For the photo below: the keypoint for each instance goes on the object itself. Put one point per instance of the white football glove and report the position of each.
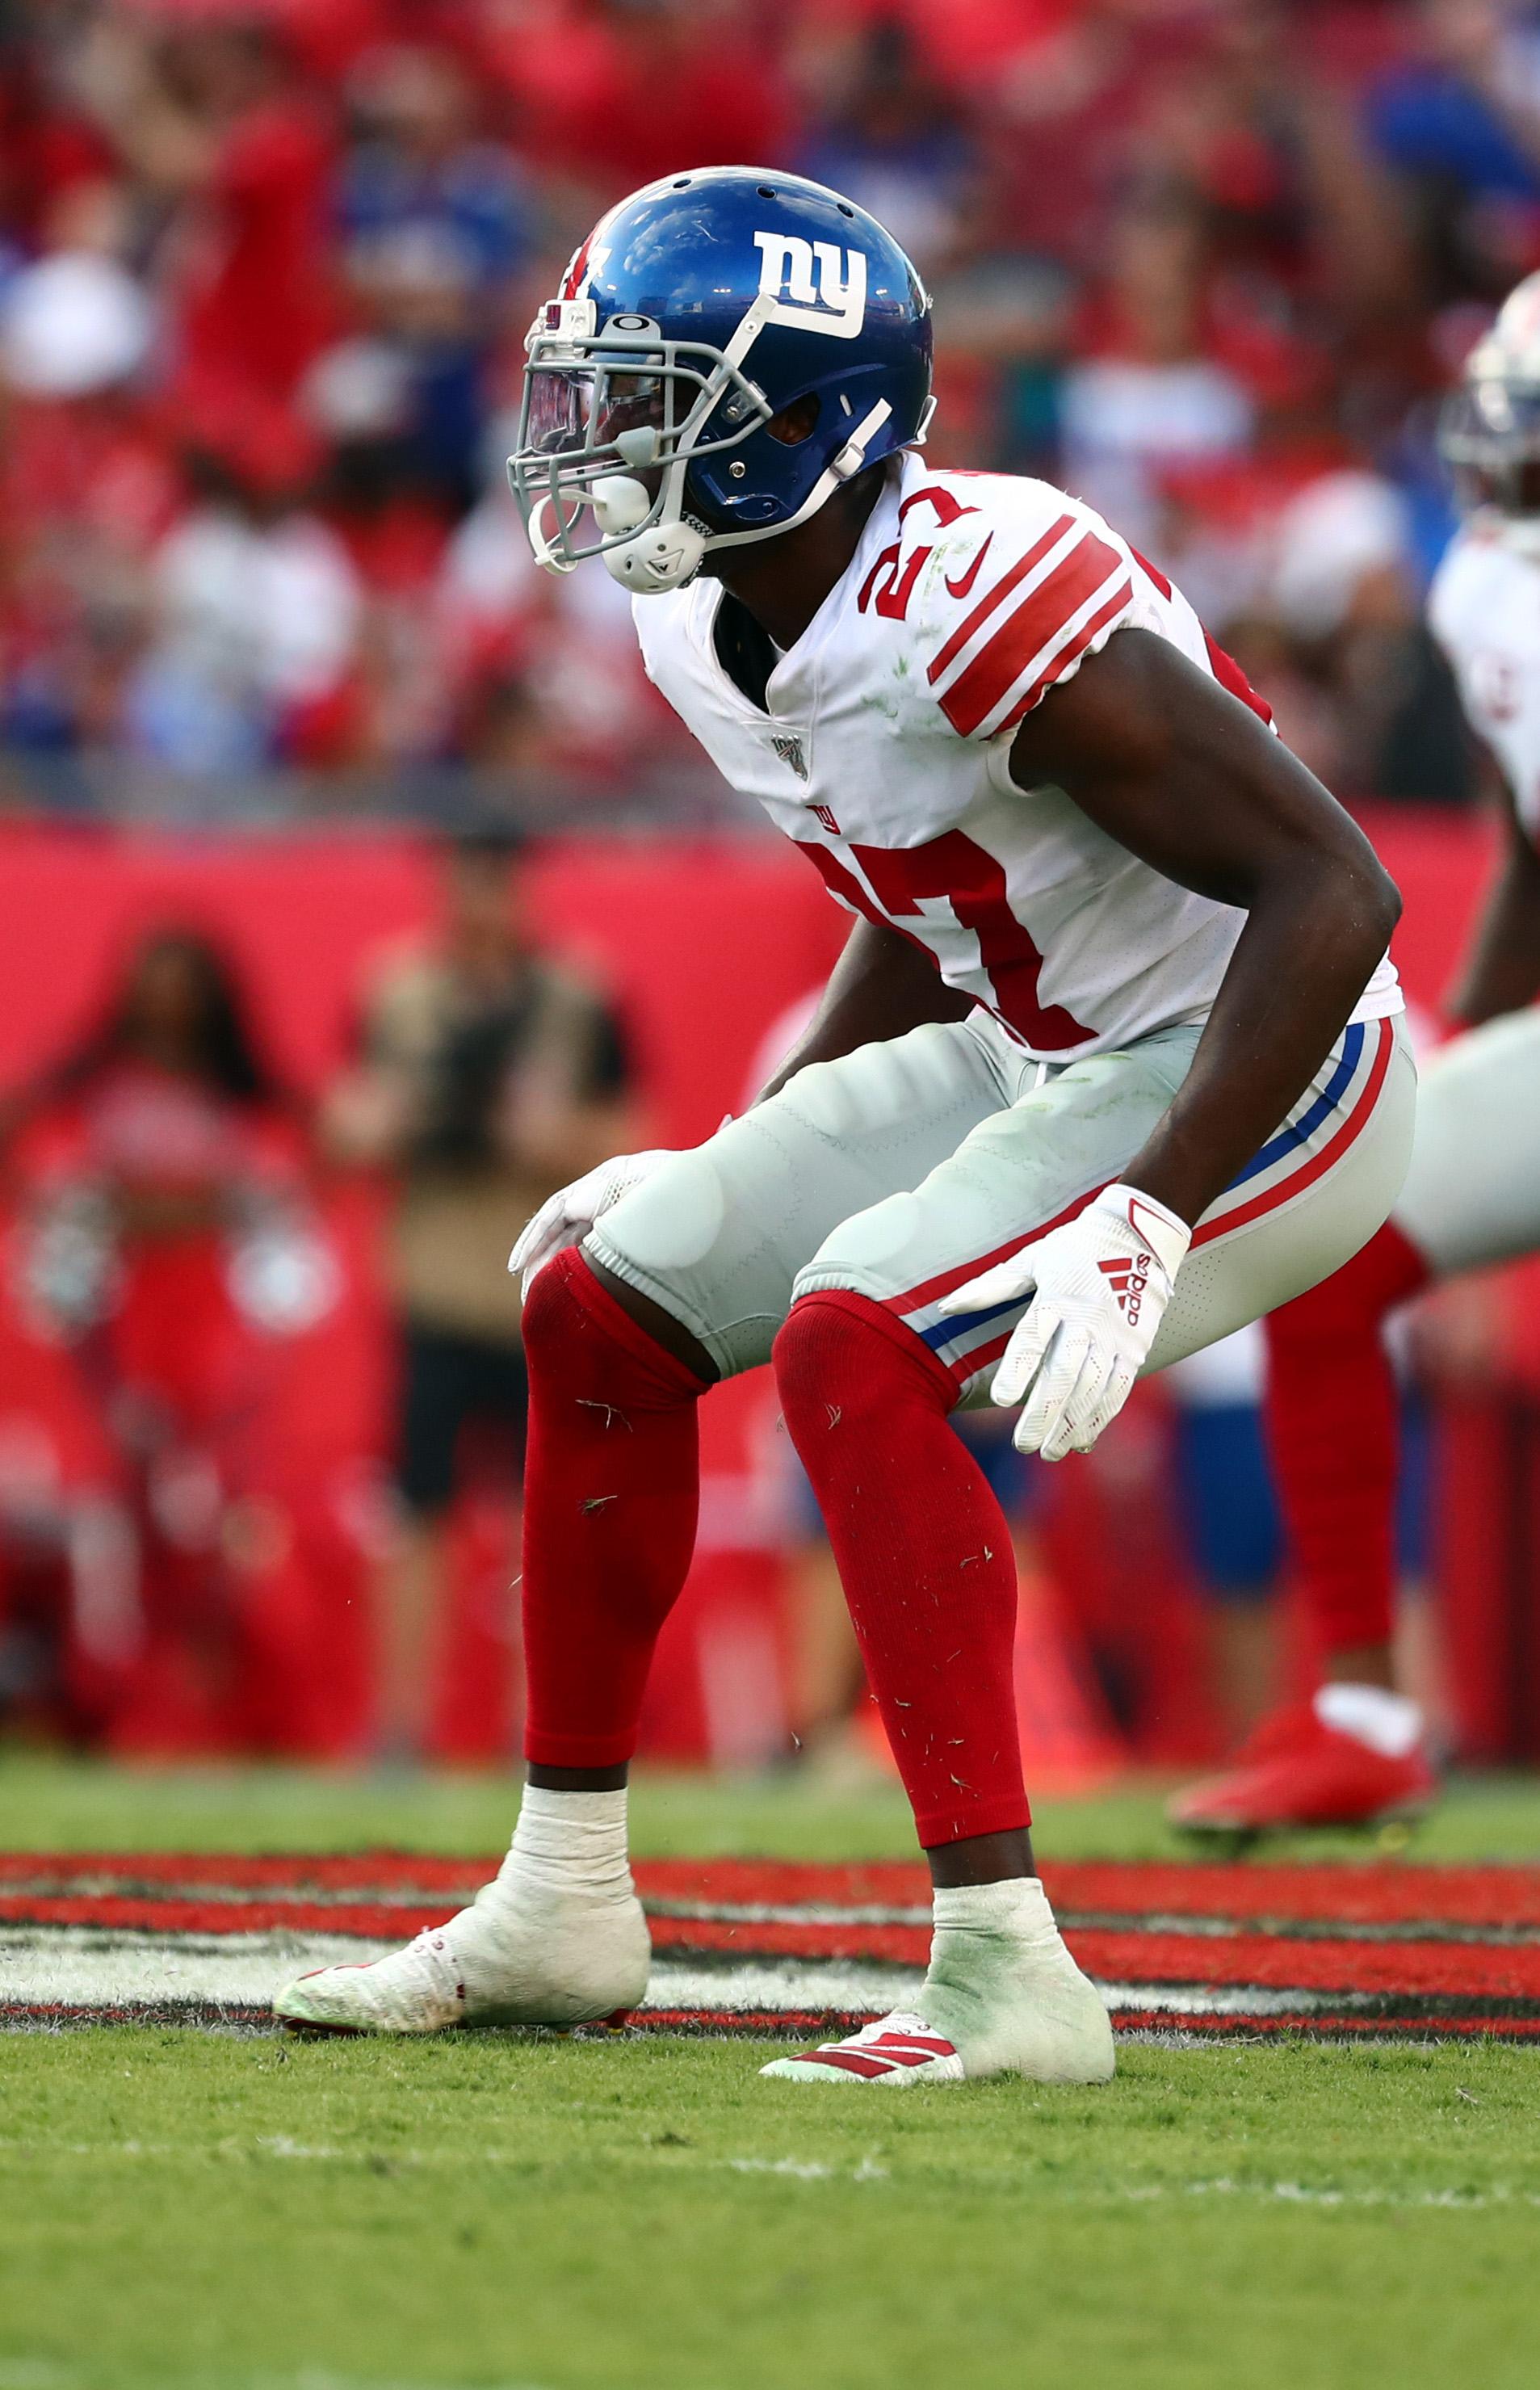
(565, 1219)
(1099, 1287)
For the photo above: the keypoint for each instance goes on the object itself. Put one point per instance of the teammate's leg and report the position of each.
(1353, 1752)
(1332, 1425)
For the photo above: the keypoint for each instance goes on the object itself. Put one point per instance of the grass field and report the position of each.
(237, 2213)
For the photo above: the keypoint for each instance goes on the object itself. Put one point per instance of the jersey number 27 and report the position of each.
(954, 867)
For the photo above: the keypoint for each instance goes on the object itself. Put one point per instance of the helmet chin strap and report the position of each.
(672, 552)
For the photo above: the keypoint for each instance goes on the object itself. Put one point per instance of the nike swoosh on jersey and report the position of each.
(960, 588)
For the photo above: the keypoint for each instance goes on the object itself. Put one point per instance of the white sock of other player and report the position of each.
(1386, 1722)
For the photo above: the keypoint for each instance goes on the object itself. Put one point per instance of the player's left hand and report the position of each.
(1099, 1287)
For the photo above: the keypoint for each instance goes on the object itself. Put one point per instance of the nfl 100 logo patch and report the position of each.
(790, 749)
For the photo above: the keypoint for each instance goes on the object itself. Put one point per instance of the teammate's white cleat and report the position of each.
(556, 1938)
(1003, 1996)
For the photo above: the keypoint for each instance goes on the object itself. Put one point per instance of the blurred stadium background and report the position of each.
(359, 889)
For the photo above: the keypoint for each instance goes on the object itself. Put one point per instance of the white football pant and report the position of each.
(906, 1168)
(1472, 1191)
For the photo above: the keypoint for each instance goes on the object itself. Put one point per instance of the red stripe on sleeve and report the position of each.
(1022, 638)
(1069, 656)
(1156, 575)
(997, 596)
(1227, 672)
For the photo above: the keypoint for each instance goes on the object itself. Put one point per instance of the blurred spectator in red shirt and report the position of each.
(206, 110)
(612, 93)
(165, 1242)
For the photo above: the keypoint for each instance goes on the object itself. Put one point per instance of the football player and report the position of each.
(1356, 1754)
(1112, 1062)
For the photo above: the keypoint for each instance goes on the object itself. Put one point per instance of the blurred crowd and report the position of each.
(266, 267)
(188, 1284)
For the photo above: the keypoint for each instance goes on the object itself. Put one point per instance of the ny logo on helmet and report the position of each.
(832, 300)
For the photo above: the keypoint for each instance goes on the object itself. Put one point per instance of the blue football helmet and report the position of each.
(694, 314)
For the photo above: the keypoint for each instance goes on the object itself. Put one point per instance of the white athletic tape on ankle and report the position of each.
(570, 1842)
(1017, 1905)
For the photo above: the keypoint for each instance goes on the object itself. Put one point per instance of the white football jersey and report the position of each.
(884, 757)
(1485, 612)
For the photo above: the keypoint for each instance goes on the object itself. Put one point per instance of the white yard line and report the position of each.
(73, 1967)
(77, 1967)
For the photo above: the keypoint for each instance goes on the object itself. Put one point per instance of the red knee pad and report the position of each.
(840, 1350)
(574, 1329)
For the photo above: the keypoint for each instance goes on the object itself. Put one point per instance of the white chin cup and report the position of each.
(620, 503)
(664, 558)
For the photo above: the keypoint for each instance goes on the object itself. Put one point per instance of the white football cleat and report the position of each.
(897, 2048)
(416, 1990)
(524, 1953)
(1003, 1996)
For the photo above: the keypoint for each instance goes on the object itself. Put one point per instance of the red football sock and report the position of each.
(1333, 1428)
(924, 1554)
(611, 1489)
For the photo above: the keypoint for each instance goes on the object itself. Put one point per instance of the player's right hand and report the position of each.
(567, 1218)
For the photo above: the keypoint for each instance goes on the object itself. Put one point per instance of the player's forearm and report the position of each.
(1310, 946)
(1183, 775)
(881, 986)
(1502, 974)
